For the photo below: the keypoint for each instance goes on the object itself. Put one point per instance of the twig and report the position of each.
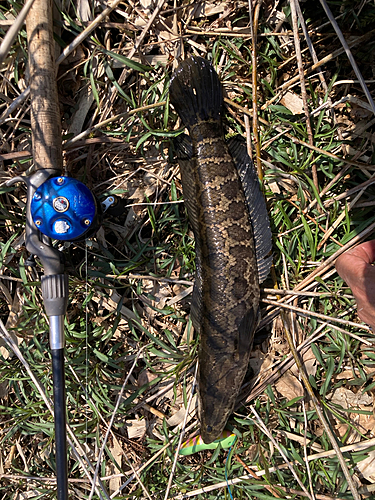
(351, 191)
(73, 442)
(305, 450)
(254, 29)
(316, 404)
(181, 435)
(320, 72)
(270, 488)
(136, 46)
(13, 30)
(259, 423)
(327, 232)
(316, 65)
(112, 119)
(248, 136)
(284, 291)
(364, 445)
(349, 54)
(330, 261)
(342, 216)
(87, 31)
(304, 312)
(282, 366)
(296, 140)
(68, 50)
(118, 402)
(140, 469)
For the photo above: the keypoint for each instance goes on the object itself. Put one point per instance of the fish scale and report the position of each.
(225, 300)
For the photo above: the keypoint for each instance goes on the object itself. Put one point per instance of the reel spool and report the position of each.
(64, 209)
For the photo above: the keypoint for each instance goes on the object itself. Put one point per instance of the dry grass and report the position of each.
(131, 350)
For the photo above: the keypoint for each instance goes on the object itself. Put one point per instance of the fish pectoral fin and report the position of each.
(183, 147)
(246, 332)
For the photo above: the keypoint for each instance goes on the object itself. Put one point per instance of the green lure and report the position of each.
(196, 444)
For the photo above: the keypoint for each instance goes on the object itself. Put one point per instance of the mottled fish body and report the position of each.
(216, 180)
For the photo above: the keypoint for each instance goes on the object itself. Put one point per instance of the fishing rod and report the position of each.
(58, 208)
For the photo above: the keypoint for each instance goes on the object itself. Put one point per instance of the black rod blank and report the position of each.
(59, 397)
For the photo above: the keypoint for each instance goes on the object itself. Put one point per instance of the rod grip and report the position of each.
(55, 291)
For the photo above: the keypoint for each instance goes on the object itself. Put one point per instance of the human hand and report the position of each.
(354, 266)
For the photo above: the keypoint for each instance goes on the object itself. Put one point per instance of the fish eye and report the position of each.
(209, 428)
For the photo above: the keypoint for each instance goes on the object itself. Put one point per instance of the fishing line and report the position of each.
(226, 468)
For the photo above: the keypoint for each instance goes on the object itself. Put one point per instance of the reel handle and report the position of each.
(50, 257)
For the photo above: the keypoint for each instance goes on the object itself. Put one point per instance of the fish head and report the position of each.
(217, 396)
(212, 421)
(223, 362)
(210, 433)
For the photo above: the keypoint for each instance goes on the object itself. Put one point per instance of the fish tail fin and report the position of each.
(195, 92)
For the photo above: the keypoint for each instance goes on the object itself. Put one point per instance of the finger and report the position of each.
(366, 314)
(364, 251)
(351, 268)
(356, 263)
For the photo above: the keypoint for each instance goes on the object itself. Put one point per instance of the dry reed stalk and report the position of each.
(303, 84)
(254, 29)
(316, 65)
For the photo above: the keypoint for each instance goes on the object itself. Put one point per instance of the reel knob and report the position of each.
(64, 209)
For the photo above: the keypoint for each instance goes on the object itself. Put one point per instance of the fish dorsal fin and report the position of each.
(256, 205)
(184, 153)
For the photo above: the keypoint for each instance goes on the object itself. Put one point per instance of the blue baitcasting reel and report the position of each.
(64, 209)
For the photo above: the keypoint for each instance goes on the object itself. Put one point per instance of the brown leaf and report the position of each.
(289, 386)
(347, 398)
(116, 451)
(293, 102)
(367, 467)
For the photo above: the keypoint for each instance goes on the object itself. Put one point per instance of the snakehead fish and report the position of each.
(232, 238)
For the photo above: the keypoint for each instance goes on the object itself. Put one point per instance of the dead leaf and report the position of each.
(365, 423)
(205, 9)
(362, 423)
(256, 361)
(347, 398)
(136, 428)
(22, 455)
(345, 375)
(151, 60)
(309, 362)
(84, 104)
(4, 386)
(184, 293)
(293, 102)
(145, 377)
(274, 187)
(366, 467)
(84, 10)
(289, 386)
(178, 417)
